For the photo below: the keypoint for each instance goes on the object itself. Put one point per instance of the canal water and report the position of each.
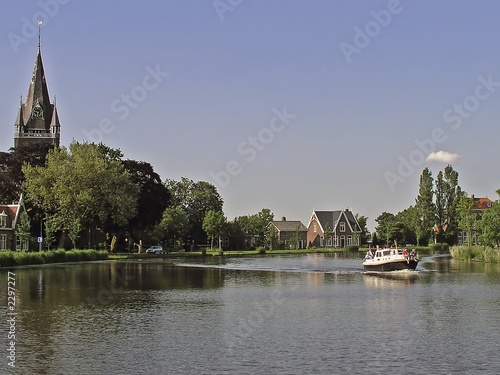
(309, 314)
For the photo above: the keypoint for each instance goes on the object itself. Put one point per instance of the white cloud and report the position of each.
(443, 157)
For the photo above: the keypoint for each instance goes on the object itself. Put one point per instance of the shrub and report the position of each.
(29, 258)
(7, 259)
(352, 248)
(261, 250)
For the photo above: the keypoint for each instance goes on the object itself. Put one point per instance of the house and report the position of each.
(340, 228)
(9, 220)
(480, 205)
(291, 234)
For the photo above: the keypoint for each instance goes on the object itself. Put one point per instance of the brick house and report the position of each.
(341, 227)
(9, 219)
(287, 232)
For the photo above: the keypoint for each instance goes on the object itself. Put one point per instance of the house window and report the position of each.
(315, 228)
(329, 242)
(321, 241)
(3, 242)
(342, 226)
(335, 241)
(349, 240)
(21, 246)
(3, 220)
(226, 241)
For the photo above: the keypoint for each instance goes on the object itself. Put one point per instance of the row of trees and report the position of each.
(441, 210)
(90, 188)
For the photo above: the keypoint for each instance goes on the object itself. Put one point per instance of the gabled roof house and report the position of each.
(293, 234)
(9, 220)
(340, 228)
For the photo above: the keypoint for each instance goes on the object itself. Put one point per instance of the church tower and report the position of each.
(37, 121)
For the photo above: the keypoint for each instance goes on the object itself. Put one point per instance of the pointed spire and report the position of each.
(38, 92)
(55, 125)
(20, 118)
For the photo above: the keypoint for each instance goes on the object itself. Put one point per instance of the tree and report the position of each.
(23, 230)
(173, 226)
(50, 231)
(327, 233)
(196, 199)
(466, 217)
(489, 225)
(385, 228)
(363, 227)
(405, 222)
(447, 194)
(214, 224)
(74, 228)
(153, 198)
(295, 238)
(11, 174)
(81, 187)
(425, 208)
(270, 236)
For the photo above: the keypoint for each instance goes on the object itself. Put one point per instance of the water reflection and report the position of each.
(256, 315)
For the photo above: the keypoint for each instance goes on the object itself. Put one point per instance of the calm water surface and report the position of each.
(311, 314)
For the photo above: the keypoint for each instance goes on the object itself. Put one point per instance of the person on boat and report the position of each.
(406, 253)
(413, 254)
(369, 254)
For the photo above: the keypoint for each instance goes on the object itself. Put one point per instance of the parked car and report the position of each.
(155, 250)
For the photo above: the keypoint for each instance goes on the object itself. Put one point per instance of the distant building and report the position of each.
(340, 228)
(480, 205)
(291, 234)
(9, 220)
(37, 121)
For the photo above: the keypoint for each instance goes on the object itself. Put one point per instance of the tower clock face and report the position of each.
(37, 111)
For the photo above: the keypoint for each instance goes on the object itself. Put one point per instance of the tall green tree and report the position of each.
(447, 193)
(81, 187)
(214, 224)
(466, 216)
(425, 208)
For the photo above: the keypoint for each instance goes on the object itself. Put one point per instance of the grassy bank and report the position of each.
(14, 258)
(475, 254)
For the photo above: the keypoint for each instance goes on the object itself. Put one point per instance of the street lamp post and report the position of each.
(40, 239)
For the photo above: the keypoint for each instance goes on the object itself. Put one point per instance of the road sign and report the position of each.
(40, 239)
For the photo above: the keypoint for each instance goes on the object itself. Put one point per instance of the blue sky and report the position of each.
(290, 105)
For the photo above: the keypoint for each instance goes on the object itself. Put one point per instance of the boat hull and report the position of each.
(391, 266)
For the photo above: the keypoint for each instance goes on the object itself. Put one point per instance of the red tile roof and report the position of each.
(482, 203)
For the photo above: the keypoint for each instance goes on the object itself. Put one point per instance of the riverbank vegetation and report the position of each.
(476, 254)
(16, 258)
